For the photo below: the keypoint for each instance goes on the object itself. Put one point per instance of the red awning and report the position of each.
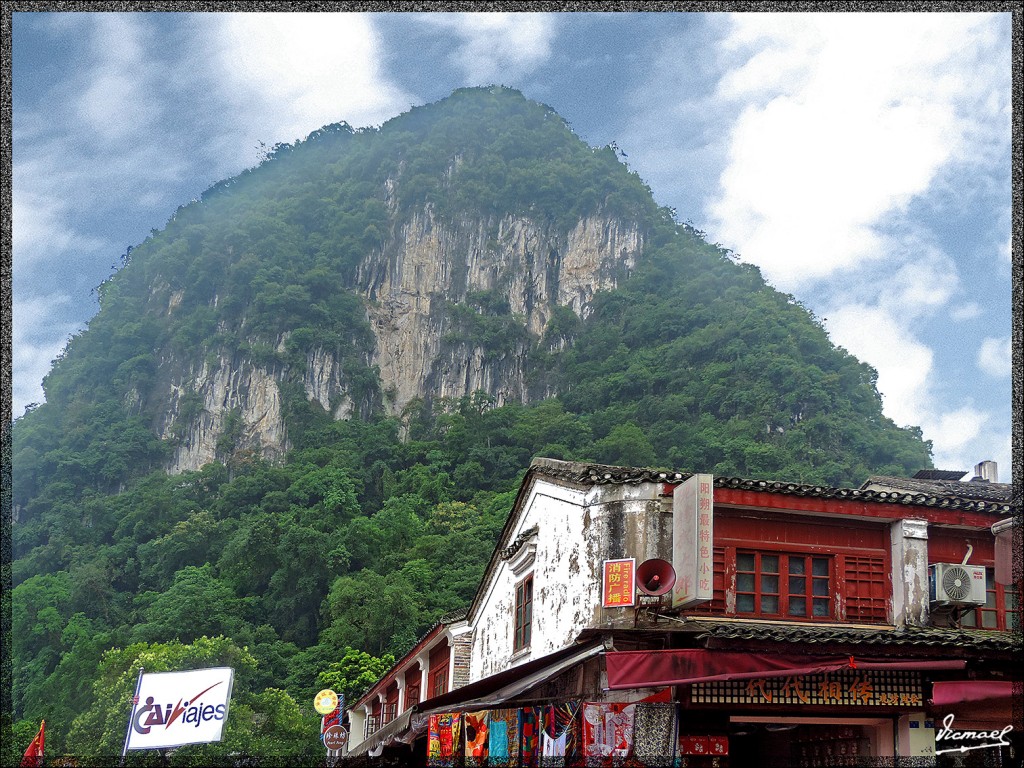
(649, 669)
(959, 691)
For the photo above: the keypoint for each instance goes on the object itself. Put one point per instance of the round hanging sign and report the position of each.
(325, 702)
(335, 737)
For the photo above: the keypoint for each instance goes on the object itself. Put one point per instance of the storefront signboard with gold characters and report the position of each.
(845, 688)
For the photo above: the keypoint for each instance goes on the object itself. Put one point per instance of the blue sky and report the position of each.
(861, 160)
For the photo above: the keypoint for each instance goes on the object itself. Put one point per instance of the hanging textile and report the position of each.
(443, 734)
(654, 733)
(552, 747)
(476, 737)
(530, 727)
(503, 737)
(561, 723)
(608, 729)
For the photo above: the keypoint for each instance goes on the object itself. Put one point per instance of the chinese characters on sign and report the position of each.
(692, 540)
(843, 688)
(619, 589)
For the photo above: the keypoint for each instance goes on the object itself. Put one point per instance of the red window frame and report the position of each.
(412, 690)
(1002, 608)
(390, 704)
(437, 678)
(792, 585)
(523, 615)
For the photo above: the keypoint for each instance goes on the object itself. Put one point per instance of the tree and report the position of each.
(197, 604)
(354, 673)
(627, 445)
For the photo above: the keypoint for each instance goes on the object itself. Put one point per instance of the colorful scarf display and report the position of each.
(443, 733)
(530, 726)
(551, 747)
(476, 737)
(654, 733)
(503, 737)
(561, 723)
(608, 729)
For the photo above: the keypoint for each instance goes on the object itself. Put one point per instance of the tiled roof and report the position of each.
(933, 496)
(510, 551)
(916, 637)
(602, 474)
(449, 618)
(969, 490)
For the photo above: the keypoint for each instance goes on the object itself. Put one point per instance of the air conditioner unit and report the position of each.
(952, 584)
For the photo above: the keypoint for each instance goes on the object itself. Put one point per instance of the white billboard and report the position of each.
(175, 708)
(693, 514)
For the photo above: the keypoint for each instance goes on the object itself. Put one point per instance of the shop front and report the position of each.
(788, 709)
(841, 717)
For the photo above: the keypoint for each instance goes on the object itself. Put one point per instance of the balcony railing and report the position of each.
(372, 725)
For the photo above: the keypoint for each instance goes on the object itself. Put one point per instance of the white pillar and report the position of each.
(909, 572)
(424, 661)
(451, 662)
(400, 681)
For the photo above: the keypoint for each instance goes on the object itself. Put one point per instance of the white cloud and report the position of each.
(42, 225)
(118, 99)
(961, 435)
(36, 341)
(288, 74)
(968, 311)
(873, 334)
(967, 436)
(1007, 250)
(498, 47)
(38, 227)
(845, 119)
(995, 357)
(955, 430)
(925, 282)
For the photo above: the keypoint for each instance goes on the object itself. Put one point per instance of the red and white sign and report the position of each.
(176, 708)
(619, 583)
(335, 737)
(693, 511)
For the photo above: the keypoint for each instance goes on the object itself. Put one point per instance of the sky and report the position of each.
(861, 160)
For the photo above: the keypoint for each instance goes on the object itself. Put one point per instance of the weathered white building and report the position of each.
(822, 615)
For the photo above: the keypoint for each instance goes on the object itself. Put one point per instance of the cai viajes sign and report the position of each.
(171, 709)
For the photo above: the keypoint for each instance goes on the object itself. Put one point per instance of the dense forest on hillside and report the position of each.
(318, 569)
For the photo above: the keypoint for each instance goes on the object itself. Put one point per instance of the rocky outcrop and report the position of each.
(323, 383)
(232, 403)
(229, 405)
(429, 265)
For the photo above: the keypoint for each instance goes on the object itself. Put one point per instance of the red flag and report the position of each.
(34, 754)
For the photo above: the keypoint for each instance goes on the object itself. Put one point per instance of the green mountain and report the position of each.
(298, 418)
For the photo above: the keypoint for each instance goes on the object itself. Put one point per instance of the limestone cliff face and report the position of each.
(232, 399)
(429, 265)
(230, 403)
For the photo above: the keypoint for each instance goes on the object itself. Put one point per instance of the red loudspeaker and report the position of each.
(655, 577)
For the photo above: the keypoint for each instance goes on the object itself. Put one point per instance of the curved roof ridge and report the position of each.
(929, 494)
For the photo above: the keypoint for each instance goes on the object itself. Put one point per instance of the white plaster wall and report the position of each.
(559, 577)
(910, 572)
(572, 541)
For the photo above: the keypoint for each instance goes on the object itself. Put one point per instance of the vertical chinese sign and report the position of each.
(692, 536)
(619, 583)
